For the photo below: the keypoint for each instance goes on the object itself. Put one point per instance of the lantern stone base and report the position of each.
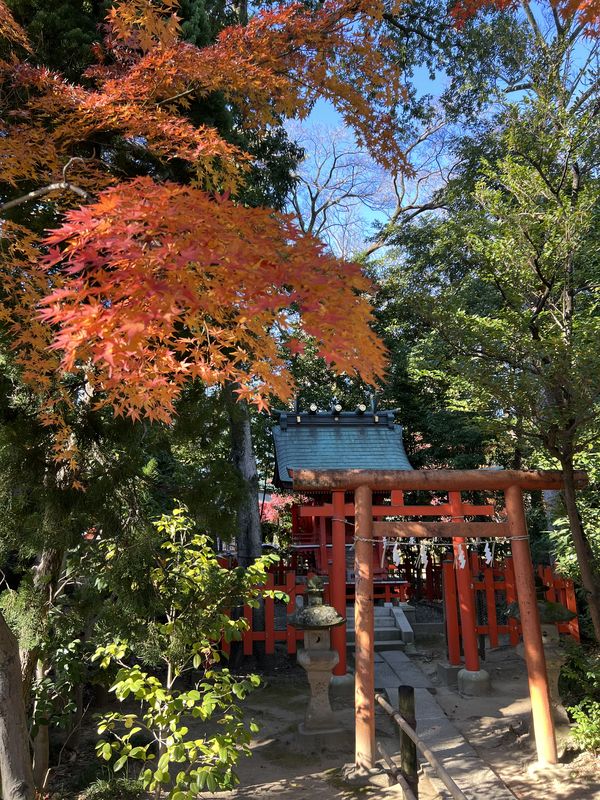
(318, 665)
(335, 740)
(474, 683)
(342, 685)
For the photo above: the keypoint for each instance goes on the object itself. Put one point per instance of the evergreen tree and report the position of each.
(502, 280)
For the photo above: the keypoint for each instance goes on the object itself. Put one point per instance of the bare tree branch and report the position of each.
(340, 191)
(63, 185)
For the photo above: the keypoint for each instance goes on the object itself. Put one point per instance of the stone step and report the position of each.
(380, 624)
(381, 634)
(391, 646)
(388, 644)
(379, 611)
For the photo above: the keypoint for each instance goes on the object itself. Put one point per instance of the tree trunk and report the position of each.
(45, 577)
(41, 745)
(249, 540)
(240, 9)
(15, 760)
(589, 575)
(74, 735)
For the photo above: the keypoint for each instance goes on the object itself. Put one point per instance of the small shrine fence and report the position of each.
(494, 587)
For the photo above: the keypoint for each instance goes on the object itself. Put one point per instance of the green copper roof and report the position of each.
(337, 441)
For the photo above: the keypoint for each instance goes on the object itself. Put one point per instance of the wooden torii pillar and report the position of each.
(512, 483)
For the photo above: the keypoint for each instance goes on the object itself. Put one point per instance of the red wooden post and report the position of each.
(490, 602)
(571, 603)
(474, 566)
(290, 590)
(451, 609)
(541, 709)
(466, 601)
(337, 579)
(296, 521)
(364, 682)
(397, 497)
(323, 566)
(248, 636)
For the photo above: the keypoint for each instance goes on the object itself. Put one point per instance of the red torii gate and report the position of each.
(512, 483)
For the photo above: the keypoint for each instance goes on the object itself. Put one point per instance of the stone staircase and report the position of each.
(388, 635)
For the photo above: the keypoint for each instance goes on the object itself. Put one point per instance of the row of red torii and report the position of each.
(363, 483)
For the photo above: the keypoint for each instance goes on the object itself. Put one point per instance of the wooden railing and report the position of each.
(408, 777)
(494, 588)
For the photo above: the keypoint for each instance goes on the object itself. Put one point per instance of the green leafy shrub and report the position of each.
(186, 763)
(114, 789)
(580, 675)
(193, 597)
(586, 730)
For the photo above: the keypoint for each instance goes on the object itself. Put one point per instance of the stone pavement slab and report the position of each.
(461, 761)
(403, 670)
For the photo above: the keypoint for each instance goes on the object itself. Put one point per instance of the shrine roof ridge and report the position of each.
(326, 418)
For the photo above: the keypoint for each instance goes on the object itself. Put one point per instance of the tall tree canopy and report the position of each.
(141, 89)
(499, 286)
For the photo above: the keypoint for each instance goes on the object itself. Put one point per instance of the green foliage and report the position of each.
(180, 576)
(493, 298)
(186, 763)
(73, 23)
(114, 789)
(22, 610)
(492, 328)
(589, 508)
(54, 692)
(490, 301)
(580, 675)
(586, 730)
(193, 595)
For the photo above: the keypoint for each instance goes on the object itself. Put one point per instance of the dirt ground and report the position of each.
(498, 728)
(280, 766)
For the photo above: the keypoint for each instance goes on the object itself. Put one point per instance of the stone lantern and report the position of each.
(318, 659)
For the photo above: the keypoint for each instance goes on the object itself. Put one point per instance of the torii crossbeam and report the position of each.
(512, 483)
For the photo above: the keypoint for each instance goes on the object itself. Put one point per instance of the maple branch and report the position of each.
(583, 98)
(63, 185)
(575, 33)
(538, 168)
(51, 187)
(519, 87)
(176, 97)
(382, 239)
(557, 23)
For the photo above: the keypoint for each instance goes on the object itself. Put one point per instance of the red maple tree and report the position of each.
(150, 284)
